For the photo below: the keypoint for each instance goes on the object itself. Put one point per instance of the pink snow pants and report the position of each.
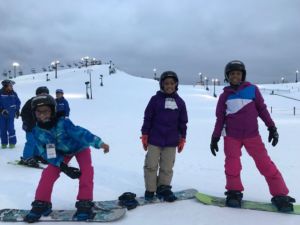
(256, 149)
(52, 173)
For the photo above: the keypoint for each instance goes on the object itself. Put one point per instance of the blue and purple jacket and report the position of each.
(237, 112)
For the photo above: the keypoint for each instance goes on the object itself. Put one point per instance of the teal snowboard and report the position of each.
(261, 206)
(114, 204)
(17, 215)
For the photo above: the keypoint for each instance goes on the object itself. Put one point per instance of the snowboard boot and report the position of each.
(41, 160)
(84, 210)
(31, 162)
(283, 203)
(149, 195)
(3, 146)
(11, 145)
(128, 200)
(234, 199)
(39, 208)
(164, 193)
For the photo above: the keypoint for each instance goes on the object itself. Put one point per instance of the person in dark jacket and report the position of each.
(63, 108)
(30, 155)
(9, 111)
(164, 129)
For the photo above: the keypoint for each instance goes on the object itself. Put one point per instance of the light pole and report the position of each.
(85, 60)
(282, 79)
(154, 71)
(297, 75)
(15, 65)
(206, 83)
(214, 83)
(89, 71)
(47, 77)
(87, 88)
(200, 77)
(54, 66)
(101, 80)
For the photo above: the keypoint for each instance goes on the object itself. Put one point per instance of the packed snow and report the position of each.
(116, 114)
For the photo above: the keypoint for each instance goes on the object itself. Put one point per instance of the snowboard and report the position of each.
(114, 204)
(17, 215)
(18, 163)
(260, 206)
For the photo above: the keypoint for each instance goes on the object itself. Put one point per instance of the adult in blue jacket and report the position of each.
(9, 110)
(62, 105)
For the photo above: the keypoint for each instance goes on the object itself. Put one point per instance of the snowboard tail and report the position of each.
(17, 215)
(18, 163)
(253, 205)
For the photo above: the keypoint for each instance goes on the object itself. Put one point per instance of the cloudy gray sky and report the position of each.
(188, 37)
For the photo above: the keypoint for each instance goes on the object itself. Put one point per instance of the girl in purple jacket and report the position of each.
(237, 110)
(163, 130)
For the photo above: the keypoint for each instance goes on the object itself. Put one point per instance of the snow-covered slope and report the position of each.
(116, 114)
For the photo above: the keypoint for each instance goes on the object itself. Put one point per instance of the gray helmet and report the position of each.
(165, 75)
(235, 65)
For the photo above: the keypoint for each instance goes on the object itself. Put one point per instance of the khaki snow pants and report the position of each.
(159, 160)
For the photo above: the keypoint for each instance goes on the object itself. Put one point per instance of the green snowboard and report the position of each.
(261, 206)
(17, 215)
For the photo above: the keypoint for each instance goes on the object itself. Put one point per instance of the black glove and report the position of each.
(214, 145)
(71, 172)
(273, 135)
(17, 114)
(4, 112)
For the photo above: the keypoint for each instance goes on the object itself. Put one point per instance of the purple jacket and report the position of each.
(165, 120)
(237, 112)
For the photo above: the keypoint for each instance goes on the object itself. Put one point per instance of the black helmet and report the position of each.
(235, 65)
(166, 75)
(44, 100)
(7, 82)
(42, 90)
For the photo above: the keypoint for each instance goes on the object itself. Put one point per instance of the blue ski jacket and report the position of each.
(62, 107)
(67, 138)
(9, 101)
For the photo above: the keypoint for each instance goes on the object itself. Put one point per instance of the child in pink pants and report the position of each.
(237, 110)
(57, 141)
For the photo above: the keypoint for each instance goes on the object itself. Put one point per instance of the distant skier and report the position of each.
(63, 108)
(237, 110)
(9, 111)
(58, 140)
(30, 152)
(164, 129)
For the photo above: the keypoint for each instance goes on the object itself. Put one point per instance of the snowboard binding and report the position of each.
(283, 203)
(84, 210)
(234, 199)
(128, 200)
(165, 193)
(39, 209)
